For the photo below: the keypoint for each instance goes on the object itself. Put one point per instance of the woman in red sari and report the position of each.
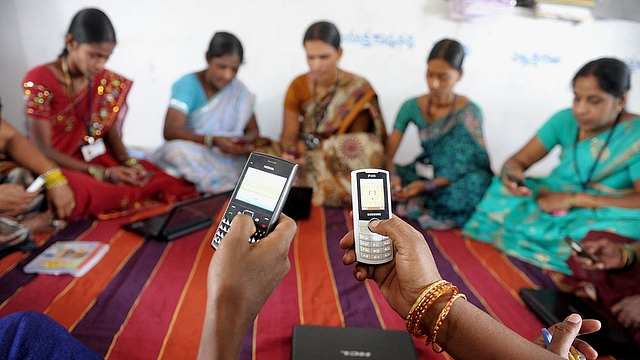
(75, 108)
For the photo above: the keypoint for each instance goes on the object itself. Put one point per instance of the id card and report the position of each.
(92, 151)
(425, 171)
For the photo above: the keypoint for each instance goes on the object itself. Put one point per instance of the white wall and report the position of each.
(518, 67)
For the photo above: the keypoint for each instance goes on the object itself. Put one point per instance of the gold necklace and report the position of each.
(67, 78)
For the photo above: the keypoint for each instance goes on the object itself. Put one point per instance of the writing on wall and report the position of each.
(535, 59)
(369, 39)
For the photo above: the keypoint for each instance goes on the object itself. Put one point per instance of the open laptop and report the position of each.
(312, 342)
(183, 218)
(554, 306)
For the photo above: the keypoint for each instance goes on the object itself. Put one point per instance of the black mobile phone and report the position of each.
(371, 198)
(580, 250)
(516, 180)
(261, 192)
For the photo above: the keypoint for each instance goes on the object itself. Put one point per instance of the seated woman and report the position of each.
(210, 123)
(332, 121)
(75, 108)
(17, 209)
(443, 185)
(596, 186)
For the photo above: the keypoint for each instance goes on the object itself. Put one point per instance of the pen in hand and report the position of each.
(573, 353)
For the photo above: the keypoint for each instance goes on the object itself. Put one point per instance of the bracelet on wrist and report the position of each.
(130, 162)
(54, 178)
(426, 300)
(629, 255)
(572, 200)
(97, 172)
(208, 141)
(429, 186)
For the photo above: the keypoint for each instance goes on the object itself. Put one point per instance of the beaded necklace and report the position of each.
(427, 112)
(585, 183)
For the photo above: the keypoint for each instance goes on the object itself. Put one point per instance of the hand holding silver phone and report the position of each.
(371, 198)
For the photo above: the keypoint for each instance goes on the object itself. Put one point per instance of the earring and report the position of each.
(619, 109)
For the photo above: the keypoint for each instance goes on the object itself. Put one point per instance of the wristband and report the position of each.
(429, 186)
(131, 162)
(97, 172)
(208, 141)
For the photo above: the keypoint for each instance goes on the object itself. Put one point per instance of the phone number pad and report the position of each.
(374, 246)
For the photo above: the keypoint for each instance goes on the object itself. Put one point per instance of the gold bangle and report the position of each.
(97, 172)
(56, 184)
(572, 200)
(443, 314)
(130, 162)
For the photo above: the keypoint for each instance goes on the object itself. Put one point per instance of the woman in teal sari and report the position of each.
(443, 185)
(596, 186)
(210, 124)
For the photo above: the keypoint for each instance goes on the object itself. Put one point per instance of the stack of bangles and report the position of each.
(54, 178)
(423, 304)
(629, 255)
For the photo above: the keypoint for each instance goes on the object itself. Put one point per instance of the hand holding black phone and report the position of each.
(516, 180)
(580, 250)
(261, 192)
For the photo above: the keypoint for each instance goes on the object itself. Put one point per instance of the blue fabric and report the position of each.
(33, 335)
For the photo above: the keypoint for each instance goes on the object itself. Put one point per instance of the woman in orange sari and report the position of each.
(332, 121)
(75, 108)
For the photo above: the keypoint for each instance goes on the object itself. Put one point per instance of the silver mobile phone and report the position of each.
(371, 197)
(261, 192)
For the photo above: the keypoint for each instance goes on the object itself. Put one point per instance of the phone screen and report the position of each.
(261, 189)
(373, 196)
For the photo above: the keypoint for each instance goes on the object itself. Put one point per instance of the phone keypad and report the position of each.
(225, 224)
(373, 247)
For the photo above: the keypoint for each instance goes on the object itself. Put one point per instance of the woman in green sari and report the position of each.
(596, 186)
(443, 185)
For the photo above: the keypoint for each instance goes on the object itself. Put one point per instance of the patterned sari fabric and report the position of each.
(454, 145)
(95, 111)
(226, 114)
(517, 225)
(328, 117)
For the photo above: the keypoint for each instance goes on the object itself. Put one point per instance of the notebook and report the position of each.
(312, 342)
(183, 218)
(554, 306)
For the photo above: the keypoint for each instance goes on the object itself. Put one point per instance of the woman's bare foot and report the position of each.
(42, 222)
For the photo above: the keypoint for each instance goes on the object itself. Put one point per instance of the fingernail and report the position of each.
(574, 318)
(374, 223)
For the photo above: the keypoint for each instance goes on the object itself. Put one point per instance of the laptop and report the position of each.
(554, 306)
(312, 342)
(183, 218)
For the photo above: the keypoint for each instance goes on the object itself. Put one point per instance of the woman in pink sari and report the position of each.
(75, 108)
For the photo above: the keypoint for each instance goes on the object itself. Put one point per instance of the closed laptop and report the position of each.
(312, 342)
